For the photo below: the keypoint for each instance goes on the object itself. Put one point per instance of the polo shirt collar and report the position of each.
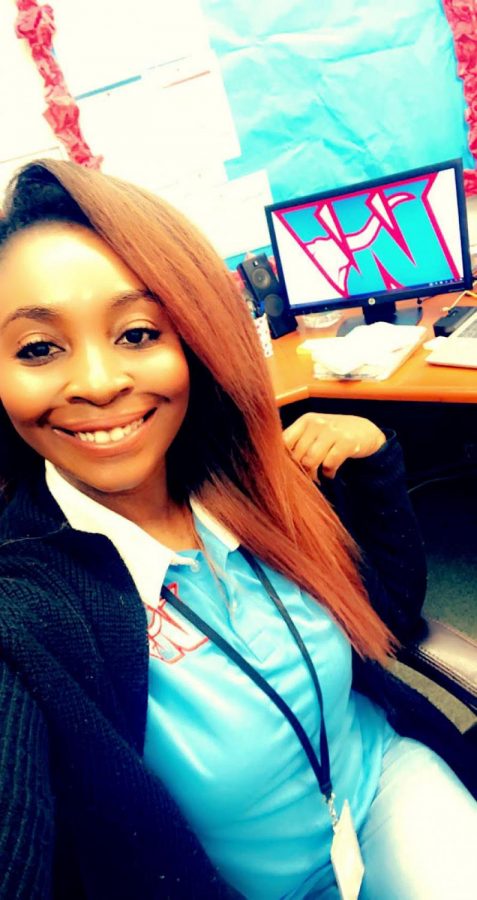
(145, 557)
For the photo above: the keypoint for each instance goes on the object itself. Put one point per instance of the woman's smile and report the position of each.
(106, 439)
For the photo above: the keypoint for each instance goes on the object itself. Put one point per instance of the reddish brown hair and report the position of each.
(242, 472)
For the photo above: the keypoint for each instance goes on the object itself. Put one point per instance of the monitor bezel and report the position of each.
(385, 296)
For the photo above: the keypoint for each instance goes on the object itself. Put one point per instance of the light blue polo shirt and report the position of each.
(224, 751)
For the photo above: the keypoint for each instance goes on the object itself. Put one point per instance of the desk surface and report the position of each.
(292, 374)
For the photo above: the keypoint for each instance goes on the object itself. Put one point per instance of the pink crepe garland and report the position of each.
(36, 24)
(462, 18)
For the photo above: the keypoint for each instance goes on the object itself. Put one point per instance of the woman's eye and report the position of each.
(139, 336)
(38, 351)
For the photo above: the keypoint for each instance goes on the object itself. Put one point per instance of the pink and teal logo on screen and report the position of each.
(393, 236)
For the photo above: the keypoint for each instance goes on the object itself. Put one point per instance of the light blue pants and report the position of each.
(419, 841)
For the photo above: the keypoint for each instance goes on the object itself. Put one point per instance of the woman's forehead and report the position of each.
(57, 257)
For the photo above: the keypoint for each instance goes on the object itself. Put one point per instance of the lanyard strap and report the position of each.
(325, 782)
(320, 770)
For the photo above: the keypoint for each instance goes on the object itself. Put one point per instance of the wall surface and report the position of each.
(223, 106)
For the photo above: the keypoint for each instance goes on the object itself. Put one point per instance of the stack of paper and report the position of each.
(368, 352)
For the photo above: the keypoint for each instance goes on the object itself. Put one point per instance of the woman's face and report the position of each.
(92, 374)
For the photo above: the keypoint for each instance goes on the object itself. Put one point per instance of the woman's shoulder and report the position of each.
(27, 522)
(28, 561)
(29, 591)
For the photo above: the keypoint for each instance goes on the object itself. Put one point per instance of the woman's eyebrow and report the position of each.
(50, 314)
(126, 297)
(41, 313)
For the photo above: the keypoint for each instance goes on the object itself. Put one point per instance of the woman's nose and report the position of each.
(98, 376)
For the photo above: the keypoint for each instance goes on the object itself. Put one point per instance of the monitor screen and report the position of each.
(370, 244)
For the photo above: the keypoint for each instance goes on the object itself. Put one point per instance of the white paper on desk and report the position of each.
(338, 355)
(384, 336)
(369, 351)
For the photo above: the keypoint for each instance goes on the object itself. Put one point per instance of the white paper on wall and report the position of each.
(101, 42)
(164, 126)
(231, 214)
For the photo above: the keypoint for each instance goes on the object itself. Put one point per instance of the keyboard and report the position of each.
(469, 328)
(460, 349)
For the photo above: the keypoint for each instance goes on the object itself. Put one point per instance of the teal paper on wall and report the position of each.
(327, 93)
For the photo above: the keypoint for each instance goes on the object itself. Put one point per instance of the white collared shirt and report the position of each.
(135, 546)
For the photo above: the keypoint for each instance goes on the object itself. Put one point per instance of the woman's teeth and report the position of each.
(112, 436)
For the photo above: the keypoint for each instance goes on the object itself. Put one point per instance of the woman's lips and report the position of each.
(117, 437)
(102, 423)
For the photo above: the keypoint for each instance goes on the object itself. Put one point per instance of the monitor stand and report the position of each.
(381, 312)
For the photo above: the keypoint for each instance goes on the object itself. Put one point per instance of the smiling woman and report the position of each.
(178, 602)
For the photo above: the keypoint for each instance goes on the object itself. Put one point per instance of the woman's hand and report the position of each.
(319, 440)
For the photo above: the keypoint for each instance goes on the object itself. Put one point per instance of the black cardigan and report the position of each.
(80, 814)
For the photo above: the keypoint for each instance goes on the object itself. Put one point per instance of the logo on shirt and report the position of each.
(171, 636)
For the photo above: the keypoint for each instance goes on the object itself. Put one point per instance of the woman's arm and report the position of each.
(361, 472)
(26, 802)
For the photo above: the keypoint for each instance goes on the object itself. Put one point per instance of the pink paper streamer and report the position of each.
(462, 18)
(35, 23)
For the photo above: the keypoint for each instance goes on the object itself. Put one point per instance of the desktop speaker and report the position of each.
(260, 279)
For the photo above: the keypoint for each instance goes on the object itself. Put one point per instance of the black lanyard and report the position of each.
(320, 769)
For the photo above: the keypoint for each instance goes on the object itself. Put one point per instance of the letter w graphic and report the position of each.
(171, 636)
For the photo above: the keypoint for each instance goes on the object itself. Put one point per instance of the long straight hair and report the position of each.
(230, 453)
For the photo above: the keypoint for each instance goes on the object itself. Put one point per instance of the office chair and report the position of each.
(447, 657)
(443, 654)
(446, 652)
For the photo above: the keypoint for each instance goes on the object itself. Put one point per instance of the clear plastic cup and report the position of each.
(319, 320)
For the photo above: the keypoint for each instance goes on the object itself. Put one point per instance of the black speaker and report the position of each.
(251, 301)
(261, 281)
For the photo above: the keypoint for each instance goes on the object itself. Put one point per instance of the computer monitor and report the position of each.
(369, 244)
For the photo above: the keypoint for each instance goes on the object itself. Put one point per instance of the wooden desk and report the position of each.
(415, 380)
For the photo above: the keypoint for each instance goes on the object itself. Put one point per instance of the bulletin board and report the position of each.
(222, 106)
(324, 93)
